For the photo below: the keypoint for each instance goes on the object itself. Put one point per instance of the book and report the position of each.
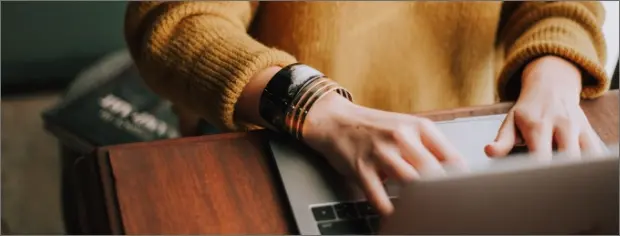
(109, 107)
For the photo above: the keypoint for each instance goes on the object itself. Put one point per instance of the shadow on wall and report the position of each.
(47, 43)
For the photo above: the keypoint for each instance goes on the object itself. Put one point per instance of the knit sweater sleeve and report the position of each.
(198, 54)
(568, 29)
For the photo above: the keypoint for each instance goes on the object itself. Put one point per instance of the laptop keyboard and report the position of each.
(346, 218)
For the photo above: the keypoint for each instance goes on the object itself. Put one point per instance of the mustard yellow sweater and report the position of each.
(397, 56)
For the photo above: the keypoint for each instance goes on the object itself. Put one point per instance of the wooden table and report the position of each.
(219, 184)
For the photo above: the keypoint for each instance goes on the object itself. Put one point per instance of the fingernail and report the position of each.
(488, 150)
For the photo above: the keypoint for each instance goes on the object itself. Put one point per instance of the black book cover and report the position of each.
(120, 110)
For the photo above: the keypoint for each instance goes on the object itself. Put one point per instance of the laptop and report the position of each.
(323, 202)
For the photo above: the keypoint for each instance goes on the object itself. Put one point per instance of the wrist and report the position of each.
(551, 70)
(248, 103)
(551, 74)
(327, 114)
(292, 93)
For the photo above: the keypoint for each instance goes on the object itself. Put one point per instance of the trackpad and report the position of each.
(471, 135)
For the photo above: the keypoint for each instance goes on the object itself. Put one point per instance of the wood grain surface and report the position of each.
(221, 184)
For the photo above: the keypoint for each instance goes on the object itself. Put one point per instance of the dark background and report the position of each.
(46, 43)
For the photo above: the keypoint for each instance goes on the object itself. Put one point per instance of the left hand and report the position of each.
(547, 111)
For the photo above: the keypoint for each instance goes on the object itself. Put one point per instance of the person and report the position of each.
(344, 77)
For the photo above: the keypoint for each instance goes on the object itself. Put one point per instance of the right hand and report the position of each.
(365, 144)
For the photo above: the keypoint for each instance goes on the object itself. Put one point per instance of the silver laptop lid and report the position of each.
(516, 196)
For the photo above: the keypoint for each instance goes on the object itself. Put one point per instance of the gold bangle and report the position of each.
(311, 96)
(304, 100)
(304, 107)
(298, 102)
(316, 97)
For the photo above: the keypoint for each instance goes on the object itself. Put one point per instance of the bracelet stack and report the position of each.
(290, 95)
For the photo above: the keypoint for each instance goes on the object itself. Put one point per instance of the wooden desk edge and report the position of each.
(111, 201)
(107, 179)
(95, 189)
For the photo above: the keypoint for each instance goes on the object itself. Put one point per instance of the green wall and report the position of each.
(43, 41)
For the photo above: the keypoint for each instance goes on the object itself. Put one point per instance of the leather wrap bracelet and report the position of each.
(291, 93)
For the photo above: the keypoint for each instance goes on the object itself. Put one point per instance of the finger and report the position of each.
(567, 139)
(440, 146)
(539, 139)
(374, 190)
(397, 167)
(425, 163)
(590, 142)
(505, 140)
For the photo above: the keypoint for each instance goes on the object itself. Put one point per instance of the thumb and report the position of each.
(505, 140)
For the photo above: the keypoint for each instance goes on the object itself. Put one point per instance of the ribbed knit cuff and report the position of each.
(595, 81)
(229, 68)
(559, 37)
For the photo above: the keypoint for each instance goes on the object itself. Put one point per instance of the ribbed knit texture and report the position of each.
(397, 56)
(566, 29)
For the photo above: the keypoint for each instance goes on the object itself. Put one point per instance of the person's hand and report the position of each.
(547, 111)
(365, 144)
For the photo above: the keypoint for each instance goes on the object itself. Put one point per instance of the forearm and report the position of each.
(198, 55)
(290, 99)
(247, 107)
